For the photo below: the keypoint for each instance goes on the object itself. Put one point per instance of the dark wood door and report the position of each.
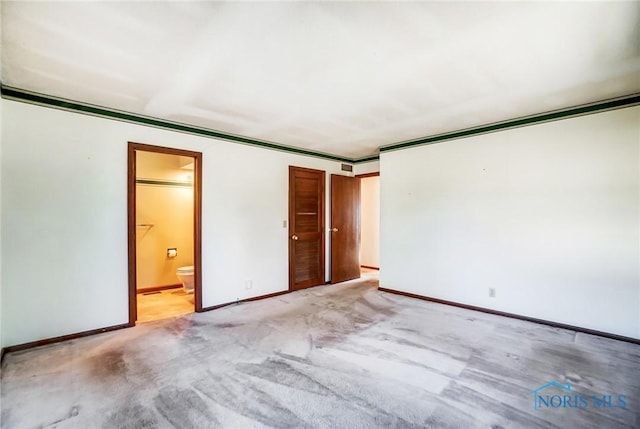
(306, 228)
(345, 228)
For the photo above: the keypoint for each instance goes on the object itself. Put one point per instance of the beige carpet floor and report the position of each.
(341, 356)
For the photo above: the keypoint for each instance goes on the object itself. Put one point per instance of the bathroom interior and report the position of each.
(164, 235)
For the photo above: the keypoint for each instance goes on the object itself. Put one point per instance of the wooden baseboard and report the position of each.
(158, 288)
(370, 267)
(53, 340)
(255, 298)
(47, 341)
(515, 316)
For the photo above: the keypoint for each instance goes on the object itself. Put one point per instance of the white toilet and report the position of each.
(185, 275)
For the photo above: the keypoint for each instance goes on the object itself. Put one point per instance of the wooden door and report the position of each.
(306, 228)
(345, 228)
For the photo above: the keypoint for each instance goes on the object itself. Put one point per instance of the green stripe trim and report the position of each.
(44, 100)
(587, 109)
(164, 183)
(366, 159)
(74, 106)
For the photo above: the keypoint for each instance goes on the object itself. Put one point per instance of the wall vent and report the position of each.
(347, 167)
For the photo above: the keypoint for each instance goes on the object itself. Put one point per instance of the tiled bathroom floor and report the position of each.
(164, 304)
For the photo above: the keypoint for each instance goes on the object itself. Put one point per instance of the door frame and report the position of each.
(132, 148)
(364, 176)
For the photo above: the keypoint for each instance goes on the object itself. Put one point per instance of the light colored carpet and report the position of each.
(341, 356)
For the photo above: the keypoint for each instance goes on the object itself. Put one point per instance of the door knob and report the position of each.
(294, 237)
(334, 229)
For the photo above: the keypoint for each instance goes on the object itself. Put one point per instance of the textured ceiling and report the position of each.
(339, 78)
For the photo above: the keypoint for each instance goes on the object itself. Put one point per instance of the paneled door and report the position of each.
(345, 228)
(306, 228)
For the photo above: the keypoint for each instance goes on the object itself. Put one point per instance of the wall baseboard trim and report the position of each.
(59, 339)
(370, 267)
(515, 316)
(255, 298)
(158, 288)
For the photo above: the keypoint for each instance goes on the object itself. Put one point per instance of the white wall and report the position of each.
(370, 221)
(64, 208)
(548, 215)
(366, 167)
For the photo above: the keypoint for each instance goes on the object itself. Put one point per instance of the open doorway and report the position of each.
(370, 224)
(164, 212)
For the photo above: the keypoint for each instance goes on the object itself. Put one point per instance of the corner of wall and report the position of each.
(1, 336)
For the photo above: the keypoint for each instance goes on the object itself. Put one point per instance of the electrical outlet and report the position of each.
(492, 292)
(248, 283)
